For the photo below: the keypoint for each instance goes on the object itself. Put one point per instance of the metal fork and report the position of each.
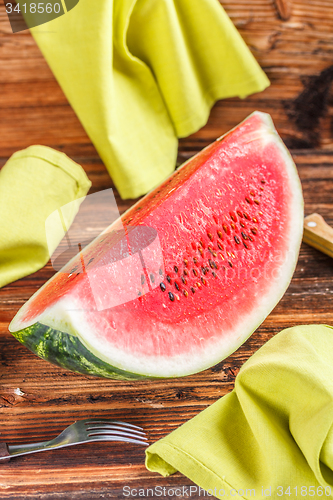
(83, 431)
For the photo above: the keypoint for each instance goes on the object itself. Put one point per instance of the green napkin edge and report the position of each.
(159, 461)
(254, 85)
(55, 159)
(188, 466)
(59, 160)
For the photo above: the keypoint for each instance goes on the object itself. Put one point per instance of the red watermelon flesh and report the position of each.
(195, 268)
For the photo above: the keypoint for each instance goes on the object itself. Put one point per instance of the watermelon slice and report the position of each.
(192, 271)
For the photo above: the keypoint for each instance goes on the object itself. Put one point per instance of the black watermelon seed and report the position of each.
(186, 272)
(184, 280)
(210, 236)
(195, 272)
(219, 245)
(192, 289)
(211, 263)
(152, 278)
(162, 286)
(248, 200)
(246, 216)
(204, 270)
(200, 250)
(239, 213)
(195, 260)
(176, 269)
(220, 235)
(214, 274)
(236, 240)
(253, 230)
(176, 285)
(242, 224)
(244, 235)
(168, 278)
(246, 246)
(215, 265)
(263, 181)
(161, 272)
(203, 280)
(257, 202)
(185, 292)
(230, 264)
(171, 296)
(186, 262)
(139, 294)
(142, 279)
(250, 238)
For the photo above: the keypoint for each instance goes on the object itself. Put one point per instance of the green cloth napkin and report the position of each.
(34, 183)
(140, 73)
(272, 434)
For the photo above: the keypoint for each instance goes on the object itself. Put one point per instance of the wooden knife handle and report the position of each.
(284, 8)
(318, 234)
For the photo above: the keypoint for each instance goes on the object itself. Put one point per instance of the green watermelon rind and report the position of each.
(68, 352)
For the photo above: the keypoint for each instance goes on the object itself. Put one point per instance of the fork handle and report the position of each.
(4, 453)
(8, 452)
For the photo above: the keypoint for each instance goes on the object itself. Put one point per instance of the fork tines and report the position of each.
(114, 430)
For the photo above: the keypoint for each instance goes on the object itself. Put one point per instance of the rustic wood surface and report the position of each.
(293, 41)
(296, 54)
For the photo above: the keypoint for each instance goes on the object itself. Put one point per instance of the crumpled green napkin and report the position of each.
(34, 183)
(140, 73)
(272, 435)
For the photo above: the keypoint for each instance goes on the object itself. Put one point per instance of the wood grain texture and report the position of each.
(290, 52)
(297, 56)
(284, 8)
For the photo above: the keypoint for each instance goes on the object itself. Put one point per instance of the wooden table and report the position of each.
(37, 400)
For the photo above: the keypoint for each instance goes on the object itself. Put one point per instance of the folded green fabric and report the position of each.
(140, 73)
(34, 183)
(272, 435)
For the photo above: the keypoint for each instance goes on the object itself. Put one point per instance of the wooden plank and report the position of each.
(288, 51)
(33, 109)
